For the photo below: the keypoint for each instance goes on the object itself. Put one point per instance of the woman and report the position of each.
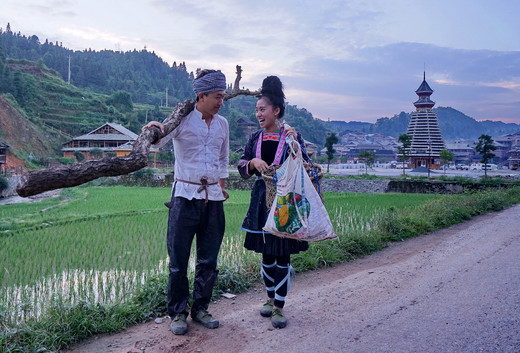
(264, 148)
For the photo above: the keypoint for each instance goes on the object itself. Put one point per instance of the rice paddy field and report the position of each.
(99, 244)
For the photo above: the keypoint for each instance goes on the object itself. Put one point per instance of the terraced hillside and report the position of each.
(65, 107)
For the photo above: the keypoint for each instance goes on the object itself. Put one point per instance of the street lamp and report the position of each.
(429, 156)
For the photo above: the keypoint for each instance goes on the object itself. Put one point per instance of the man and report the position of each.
(201, 147)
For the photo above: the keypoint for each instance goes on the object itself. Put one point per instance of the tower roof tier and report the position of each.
(424, 92)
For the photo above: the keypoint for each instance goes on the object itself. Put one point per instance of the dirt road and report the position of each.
(455, 290)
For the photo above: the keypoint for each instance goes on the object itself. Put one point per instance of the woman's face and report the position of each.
(267, 115)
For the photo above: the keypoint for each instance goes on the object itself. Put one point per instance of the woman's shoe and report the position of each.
(277, 319)
(267, 308)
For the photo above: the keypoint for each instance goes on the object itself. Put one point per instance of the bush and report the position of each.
(66, 160)
(80, 157)
(4, 184)
(96, 153)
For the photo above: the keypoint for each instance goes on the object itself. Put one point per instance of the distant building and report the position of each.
(514, 158)
(3, 154)
(463, 151)
(311, 148)
(427, 141)
(507, 146)
(246, 126)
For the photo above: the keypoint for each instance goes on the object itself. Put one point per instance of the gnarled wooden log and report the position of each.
(38, 181)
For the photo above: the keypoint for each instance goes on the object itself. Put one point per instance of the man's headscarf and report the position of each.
(214, 81)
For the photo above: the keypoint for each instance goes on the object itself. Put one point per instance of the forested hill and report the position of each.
(141, 73)
(453, 124)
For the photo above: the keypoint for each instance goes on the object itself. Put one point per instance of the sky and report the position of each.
(350, 60)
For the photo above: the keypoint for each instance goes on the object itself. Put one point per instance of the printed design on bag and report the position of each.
(289, 209)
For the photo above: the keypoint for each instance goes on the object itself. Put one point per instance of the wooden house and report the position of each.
(112, 139)
(3, 154)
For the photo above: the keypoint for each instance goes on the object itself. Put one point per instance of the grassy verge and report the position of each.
(63, 325)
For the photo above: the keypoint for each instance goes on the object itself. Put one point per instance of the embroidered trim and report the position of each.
(279, 150)
(271, 136)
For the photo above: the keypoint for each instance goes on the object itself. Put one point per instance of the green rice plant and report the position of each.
(353, 217)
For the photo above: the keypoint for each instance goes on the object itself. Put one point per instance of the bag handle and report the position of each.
(293, 144)
(291, 141)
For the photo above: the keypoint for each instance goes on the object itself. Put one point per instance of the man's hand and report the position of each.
(225, 193)
(155, 124)
(222, 183)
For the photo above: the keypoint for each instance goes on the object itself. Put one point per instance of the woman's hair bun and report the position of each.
(272, 86)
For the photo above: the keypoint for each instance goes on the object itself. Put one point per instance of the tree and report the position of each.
(446, 157)
(484, 147)
(4, 71)
(329, 144)
(404, 149)
(369, 157)
(121, 100)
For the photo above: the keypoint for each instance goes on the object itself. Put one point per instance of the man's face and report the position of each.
(211, 103)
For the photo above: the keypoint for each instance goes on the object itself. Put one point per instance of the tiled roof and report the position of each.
(424, 88)
(104, 137)
(124, 134)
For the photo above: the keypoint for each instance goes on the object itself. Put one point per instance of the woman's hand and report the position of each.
(291, 132)
(258, 164)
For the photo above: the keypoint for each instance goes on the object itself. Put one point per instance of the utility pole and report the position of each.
(68, 80)
(166, 96)
(429, 156)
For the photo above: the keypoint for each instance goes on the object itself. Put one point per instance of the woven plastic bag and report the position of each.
(297, 211)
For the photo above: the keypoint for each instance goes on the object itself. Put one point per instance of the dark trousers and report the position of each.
(186, 219)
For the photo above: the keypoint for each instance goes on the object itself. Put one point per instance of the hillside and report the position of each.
(45, 97)
(41, 111)
(24, 137)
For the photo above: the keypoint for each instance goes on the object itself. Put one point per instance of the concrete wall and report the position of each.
(235, 182)
(10, 191)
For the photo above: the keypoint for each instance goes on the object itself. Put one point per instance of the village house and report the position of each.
(3, 155)
(110, 138)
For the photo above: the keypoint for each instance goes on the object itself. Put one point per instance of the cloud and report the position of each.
(107, 38)
(387, 77)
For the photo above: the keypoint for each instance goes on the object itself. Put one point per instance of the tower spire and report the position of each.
(424, 92)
